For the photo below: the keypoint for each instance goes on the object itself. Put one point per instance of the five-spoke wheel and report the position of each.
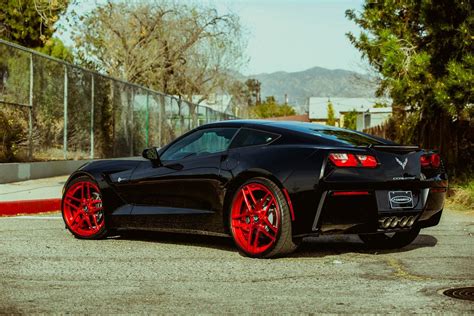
(259, 219)
(82, 209)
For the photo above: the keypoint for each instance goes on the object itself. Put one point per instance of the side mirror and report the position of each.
(152, 155)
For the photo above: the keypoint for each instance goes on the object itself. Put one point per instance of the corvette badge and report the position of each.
(402, 164)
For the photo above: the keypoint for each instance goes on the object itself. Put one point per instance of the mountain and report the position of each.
(315, 82)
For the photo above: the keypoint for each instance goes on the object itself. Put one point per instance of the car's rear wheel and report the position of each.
(82, 209)
(390, 241)
(260, 220)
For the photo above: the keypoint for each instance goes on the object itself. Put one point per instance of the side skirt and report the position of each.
(177, 230)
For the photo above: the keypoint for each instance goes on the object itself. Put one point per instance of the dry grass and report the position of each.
(461, 196)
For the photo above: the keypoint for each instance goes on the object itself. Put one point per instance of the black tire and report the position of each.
(100, 230)
(384, 241)
(297, 241)
(284, 242)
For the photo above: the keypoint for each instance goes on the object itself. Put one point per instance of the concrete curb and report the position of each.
(11, 208)
(14, 172)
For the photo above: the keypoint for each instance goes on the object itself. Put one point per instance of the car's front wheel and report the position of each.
(390, 241)
(82, 209)
(260, 220)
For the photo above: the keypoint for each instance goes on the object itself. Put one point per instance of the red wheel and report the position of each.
(259, 219)
(82, 209)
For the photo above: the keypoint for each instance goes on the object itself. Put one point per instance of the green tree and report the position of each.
(241, 98)
(270, 108)
(30, 22)
(380, 105)
(331, 117)
(55, 47)
(350, 120)
(254, 86)
(423, 53)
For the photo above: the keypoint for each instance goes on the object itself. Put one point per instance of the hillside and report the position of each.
(315, 82)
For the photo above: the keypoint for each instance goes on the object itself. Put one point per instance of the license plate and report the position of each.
(400, 199)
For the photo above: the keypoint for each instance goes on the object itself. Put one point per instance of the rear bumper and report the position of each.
(365, 213)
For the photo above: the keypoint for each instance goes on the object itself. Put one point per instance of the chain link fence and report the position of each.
(53, 110)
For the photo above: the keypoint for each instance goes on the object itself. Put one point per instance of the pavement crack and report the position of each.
(400, 271)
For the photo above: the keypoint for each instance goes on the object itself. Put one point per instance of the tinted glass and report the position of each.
(347, 137)
(203, 142)
(250, 137)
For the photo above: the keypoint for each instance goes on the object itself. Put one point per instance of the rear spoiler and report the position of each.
(393, 148)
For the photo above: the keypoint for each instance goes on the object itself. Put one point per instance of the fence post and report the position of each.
(30, 113)
(65, 113)
(92, 117)
(180, 115)
(195, 119)
(147, 119)
(161, 117)
(131, 121)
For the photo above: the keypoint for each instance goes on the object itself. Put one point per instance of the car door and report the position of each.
(187, 189)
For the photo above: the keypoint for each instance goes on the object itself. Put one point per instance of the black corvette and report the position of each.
(267, 184)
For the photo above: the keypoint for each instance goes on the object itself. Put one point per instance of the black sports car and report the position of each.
(267, 184)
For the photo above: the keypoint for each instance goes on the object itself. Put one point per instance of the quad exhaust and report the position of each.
(395, 221)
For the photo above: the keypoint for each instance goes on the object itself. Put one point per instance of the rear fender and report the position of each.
(236, 182)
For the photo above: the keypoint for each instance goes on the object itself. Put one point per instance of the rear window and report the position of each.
(347, 137)
(251, 137)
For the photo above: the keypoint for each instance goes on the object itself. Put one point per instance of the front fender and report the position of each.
(101, 172)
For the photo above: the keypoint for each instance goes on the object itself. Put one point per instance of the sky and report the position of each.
(291, 36)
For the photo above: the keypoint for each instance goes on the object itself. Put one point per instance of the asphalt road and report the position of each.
(43, 269)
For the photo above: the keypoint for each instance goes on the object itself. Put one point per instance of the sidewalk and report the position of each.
(32, 196)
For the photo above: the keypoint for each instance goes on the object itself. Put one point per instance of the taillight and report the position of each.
(430, 161)
(367, 161)
(435, 161)
(352, 160)
(344, 160)
(425, 161)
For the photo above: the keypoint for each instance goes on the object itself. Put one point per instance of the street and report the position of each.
(43, 269)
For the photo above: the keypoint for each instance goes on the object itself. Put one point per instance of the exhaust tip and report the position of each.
(403, 221)
(385, 223)
(411, 221)
(394, 222)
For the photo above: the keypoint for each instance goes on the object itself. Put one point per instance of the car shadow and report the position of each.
(311, 246)
(340, 244)
(221, 243)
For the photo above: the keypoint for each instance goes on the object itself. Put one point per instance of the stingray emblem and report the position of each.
(402, 164)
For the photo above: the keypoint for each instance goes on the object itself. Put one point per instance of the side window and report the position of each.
(203, 142)
(252, 137)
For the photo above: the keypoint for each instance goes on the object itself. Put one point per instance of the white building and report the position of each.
(373, 117)
(367, 115)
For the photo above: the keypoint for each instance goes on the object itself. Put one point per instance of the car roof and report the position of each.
(301, 128)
